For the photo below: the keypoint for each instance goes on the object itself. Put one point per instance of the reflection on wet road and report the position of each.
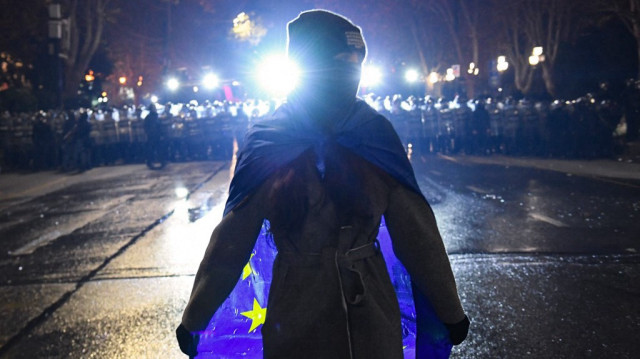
(101, 265)
(506, 209)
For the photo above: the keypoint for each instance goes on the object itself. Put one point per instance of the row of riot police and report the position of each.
(583, 128)
(76, 140)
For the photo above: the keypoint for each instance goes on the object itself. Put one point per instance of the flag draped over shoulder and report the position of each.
(270, 144)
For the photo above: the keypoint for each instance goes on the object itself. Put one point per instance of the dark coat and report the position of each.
(331, 295)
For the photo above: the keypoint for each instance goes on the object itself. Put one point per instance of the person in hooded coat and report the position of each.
(324, 169)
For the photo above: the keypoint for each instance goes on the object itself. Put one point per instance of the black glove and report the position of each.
(458, 332)
(188, 341)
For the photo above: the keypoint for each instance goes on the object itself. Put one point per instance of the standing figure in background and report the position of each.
(43, 143)
(76, 142)
(156, 145)
(480, 130)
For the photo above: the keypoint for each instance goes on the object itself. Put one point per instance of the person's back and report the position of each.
(152, 125)
(324, 226)
(324, 169)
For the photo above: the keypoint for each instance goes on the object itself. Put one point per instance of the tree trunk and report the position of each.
(547, 77)
(423, 61)
(636, 34)
(85, 41)
(523, 77)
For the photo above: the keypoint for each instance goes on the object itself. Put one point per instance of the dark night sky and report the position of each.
(604, 52)
(201, 38)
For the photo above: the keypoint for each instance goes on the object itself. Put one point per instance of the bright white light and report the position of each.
(534, 60)
(154, 99)
(411, 76)
(434, 77)
(450, 76)
(537, 51)
(371, 76)
(211, 81)
(278, 75)
(195, 89)
(173, 84)
(181, 192)
(503, 65)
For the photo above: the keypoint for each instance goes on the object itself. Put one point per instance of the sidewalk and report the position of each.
(602, 168)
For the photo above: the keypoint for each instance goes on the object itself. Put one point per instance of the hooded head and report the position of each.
(329, 50)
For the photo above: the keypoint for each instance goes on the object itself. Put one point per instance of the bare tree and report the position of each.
(403, 29)
(463, 20)
(135, 46)
(544, 23)
(628, 12)
(514, 44)
(86, 23)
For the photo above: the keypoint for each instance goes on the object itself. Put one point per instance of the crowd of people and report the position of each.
(80, 139)
(84, 138)
(582, 128)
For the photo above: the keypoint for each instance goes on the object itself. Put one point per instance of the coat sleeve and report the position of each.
(228, 251)
(418, 245)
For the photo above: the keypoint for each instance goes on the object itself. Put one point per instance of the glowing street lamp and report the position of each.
(434, 77)
(503, 65)
(450, 76)
(173, 84)
(412, 75)
(89, 77)
(122, 80)
(473, 70)
(210, 81)
(537, 51)
(537, 56)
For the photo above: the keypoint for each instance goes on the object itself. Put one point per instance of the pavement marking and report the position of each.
(613, 181)
(478, 190)
(449, 158)
(48, 312)
(9, 224)
(28, 191)
(69, 227)
(543, 218)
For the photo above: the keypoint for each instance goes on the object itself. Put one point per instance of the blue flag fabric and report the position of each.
(234, 330)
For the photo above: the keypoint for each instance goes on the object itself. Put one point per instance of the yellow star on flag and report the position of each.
(247, 270)
(257, 315)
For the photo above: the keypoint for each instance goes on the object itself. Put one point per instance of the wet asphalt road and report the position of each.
(101, 265)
